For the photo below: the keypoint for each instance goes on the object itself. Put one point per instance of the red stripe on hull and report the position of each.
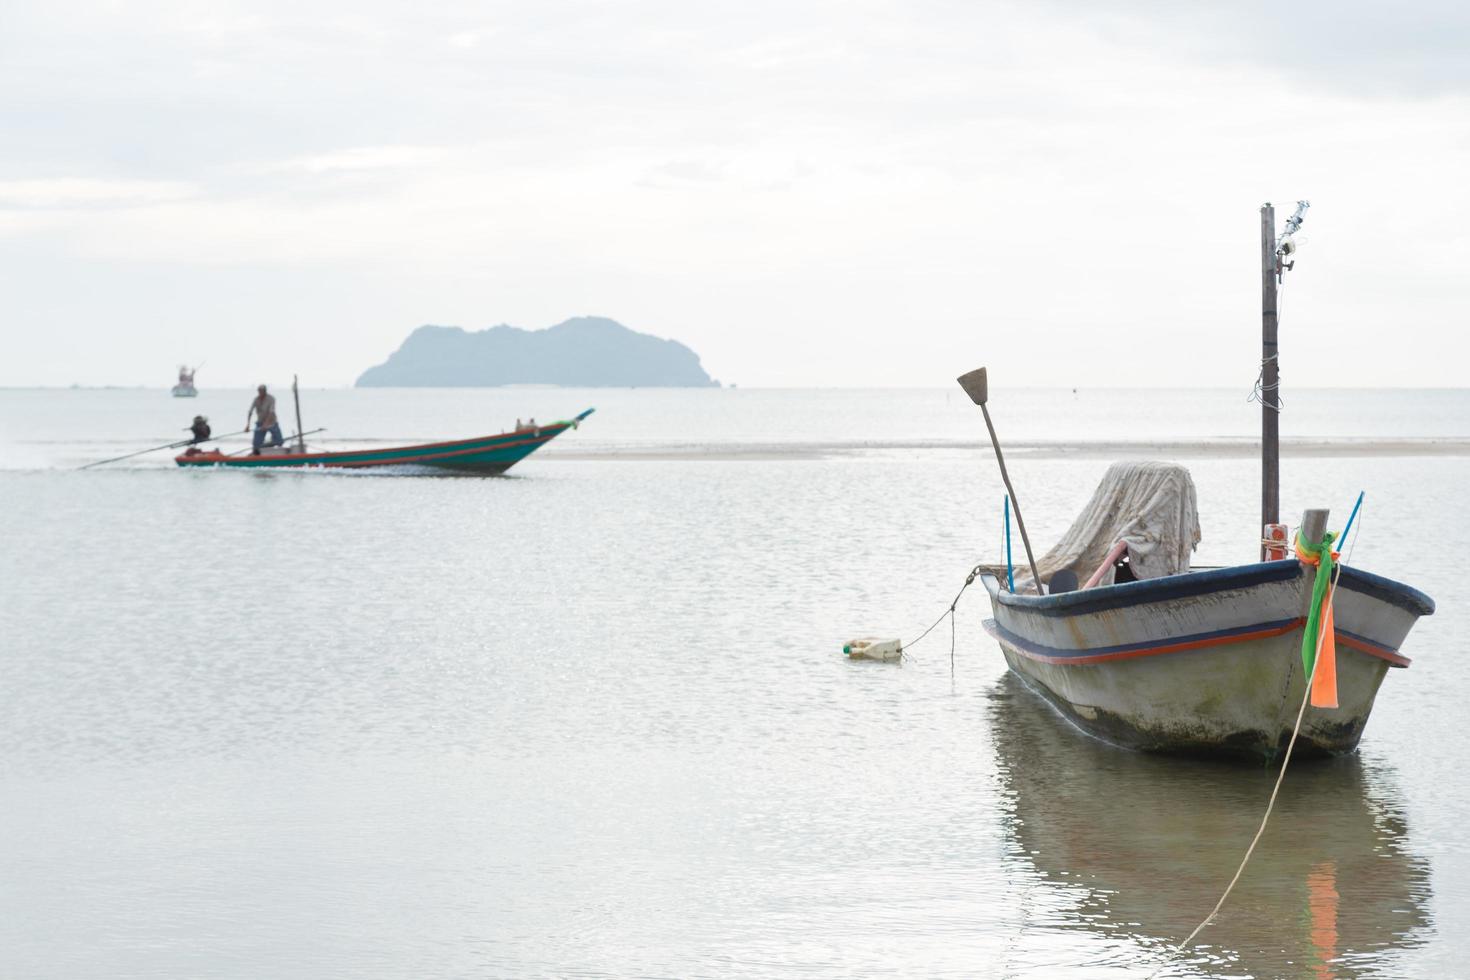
(1363, 646)
(335, 459)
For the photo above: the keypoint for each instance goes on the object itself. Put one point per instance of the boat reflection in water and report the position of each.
(1144, 845)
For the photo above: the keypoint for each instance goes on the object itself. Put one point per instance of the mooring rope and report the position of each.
(1270, 804)
(969, 581)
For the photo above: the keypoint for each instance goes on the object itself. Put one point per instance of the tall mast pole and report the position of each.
(1270, 377)
(1276, 259)
(300, 433)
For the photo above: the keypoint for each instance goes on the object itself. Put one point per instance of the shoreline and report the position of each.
(1234, 449)
(754, 452)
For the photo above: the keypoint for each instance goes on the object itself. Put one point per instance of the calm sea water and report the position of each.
(592, 718)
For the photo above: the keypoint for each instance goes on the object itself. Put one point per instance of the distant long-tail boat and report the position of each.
(483, 454)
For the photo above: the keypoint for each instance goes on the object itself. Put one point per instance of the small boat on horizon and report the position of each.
(185, 386)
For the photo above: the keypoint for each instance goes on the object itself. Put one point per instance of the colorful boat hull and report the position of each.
(484, 455)
(1208, 662)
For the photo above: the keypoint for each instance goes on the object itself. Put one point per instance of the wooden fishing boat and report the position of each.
(185, 387)
(1207, 661)
(483, 454)
(1201, 661)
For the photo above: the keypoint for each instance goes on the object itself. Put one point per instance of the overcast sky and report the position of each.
(854, 193)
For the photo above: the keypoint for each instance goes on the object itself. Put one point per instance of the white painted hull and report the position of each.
(1208, 662)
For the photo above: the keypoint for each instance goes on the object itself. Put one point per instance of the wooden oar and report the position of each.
(975, 386)
(172, 445)
(180, 445)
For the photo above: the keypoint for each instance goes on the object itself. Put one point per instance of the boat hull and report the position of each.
(1206, 663)
(485, 455)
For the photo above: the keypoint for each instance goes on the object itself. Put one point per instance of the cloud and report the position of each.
(87, 192)
(361, 158)
(466, 39)
(1364, 48)
(764, 180)
(681, 171)
(764, 170)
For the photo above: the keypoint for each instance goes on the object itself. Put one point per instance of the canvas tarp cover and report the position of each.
(1149, 505)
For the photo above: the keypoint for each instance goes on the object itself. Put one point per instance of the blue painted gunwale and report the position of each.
(1190, 584)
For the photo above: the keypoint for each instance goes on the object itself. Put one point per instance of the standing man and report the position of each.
(264, 410)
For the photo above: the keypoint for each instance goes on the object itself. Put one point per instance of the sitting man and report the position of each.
(200, 428)
(264, 410)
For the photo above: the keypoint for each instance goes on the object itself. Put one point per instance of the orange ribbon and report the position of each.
(1324, 673)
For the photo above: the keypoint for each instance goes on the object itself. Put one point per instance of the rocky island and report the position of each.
(583, 352)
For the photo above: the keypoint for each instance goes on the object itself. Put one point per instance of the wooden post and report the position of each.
(300, 431)
(1314, 526)
(1270, 378)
